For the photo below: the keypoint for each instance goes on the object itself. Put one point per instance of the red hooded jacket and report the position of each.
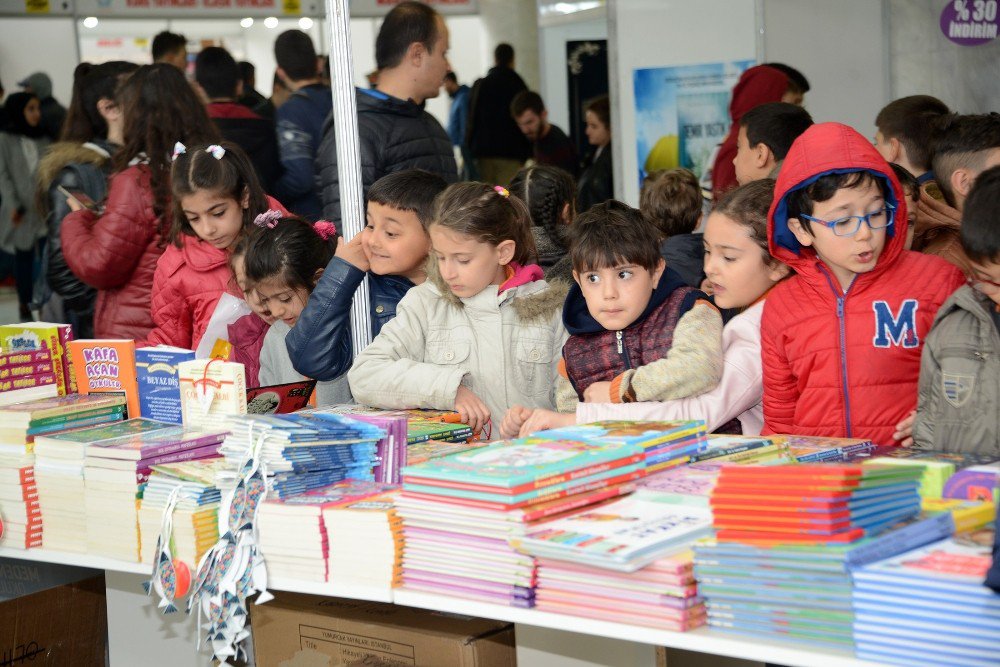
(836, 363)
(758, 85)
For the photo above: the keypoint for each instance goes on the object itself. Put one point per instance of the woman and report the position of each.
(21, 227)
(81, 161)
(596, 184)
(117, 251)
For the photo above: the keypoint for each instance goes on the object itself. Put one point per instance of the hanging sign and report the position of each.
(360, 8)
(198, 8)
(970, 22)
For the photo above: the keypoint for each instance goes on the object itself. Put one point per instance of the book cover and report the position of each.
(420, 452)
(419, 431)
(959, 563)
(113, 431)
(56, 406)
(27, 382)
(211, 389)
(718, 446)
(159, 384)
(11, 371)
(645, 434)
(65, 337)
(22, 357)
(154, 442)
(106, 366)
(279, 398)
(974, 483)
(44, 336)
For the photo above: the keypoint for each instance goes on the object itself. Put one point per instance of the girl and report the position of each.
(246, 335)
(283, 263)
(216, 198)
(550, 195)
(596, 182)
(741, 271)
(80, 161)
(116, 251)
(484, 332)
(21, 146)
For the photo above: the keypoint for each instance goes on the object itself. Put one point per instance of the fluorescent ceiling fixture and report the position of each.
(90, 22)
(570, 7)
(271, 22)
(305, 23)
(246, 23)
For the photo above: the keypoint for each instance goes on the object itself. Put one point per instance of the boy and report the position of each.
(671, 201)
(960, 366)
(911, 190)
(391, 250)
(904, 131)
(841, 339)
(964, 147)
(766, 133)
(637, 332)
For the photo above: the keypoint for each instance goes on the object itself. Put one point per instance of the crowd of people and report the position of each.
(837, 286)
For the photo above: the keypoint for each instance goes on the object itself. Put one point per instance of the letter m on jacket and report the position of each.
(896, 329)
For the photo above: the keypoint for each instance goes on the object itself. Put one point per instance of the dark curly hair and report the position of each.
(546, 190)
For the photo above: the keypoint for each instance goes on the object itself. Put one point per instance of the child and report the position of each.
(671, 201)
(246, 335)
(284, 261)
(391, 251)
(216, 197)
(960, 366)
(742, 272)
(766, 133)
(550, 195)
(484, 332)
(911, 190)
(841, 339)
(905, 128)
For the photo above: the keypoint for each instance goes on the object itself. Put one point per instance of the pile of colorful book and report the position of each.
(939, 468)
(116, 471)
(366, 541)
(786, 537)
(34, 362)
(293, 538)
(39, 478)
(744, 450)
(460, 512)
(195, 515)
(665, 444)
(929, 606)
(814, 449)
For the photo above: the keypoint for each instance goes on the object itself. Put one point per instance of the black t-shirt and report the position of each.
(556, 149)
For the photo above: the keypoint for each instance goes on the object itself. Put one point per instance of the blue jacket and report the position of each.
(458, 115)
(299, 124)
(319, 344)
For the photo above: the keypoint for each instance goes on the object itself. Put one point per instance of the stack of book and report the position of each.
(978, 482)
(665, 444)
(788, 536)
(422, 425)
(19, 511)
(814, 449)
(35, 361)
(461, 511)
(419, 452)
(687, 485)
(59, 473)
(366, 541)
(195, 516)
(929, 606)
(663, 595)
(116, 472)
(939, 467)
(292, 535)
(301, 451)
(390, 450)
(743, 449)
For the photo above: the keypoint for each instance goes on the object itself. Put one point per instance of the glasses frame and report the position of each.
(888, 209)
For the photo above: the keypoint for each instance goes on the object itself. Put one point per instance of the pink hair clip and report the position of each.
(216, 151)
(502, 191)
(326, 229)
(268, 219)
(178, 149)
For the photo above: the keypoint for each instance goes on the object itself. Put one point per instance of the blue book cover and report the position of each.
(646, 434)
(159, 384)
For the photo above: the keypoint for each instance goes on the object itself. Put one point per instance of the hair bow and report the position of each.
(502, 191)
(216, 151)
(178, 149)
(268, 219)
(325, 229)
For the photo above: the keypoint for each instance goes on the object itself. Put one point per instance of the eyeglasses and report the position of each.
(850, 225)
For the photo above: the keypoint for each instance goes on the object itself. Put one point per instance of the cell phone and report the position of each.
(81, 198)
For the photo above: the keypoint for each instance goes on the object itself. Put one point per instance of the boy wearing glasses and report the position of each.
(960, 367)
(841, 339)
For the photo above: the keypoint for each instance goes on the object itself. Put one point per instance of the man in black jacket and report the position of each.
(395, 131)
(494, 139)
(219, 76)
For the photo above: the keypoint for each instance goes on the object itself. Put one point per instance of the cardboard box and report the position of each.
(308, 631)
(65, 625)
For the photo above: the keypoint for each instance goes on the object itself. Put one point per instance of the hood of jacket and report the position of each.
(375, 101)
(579, 321)
(61, 154)
(830, 148)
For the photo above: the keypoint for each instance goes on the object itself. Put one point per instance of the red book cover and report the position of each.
(20, 357)
(10, 371)
(65, 336)
(27, 382)
(279, 398)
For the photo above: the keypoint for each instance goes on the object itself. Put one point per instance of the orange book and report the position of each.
(106, 367)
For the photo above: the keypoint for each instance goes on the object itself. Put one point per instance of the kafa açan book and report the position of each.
(106, 367)
(159, 383)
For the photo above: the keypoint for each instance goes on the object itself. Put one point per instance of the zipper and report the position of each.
(620, 338)
(963, 353)
(842, 319)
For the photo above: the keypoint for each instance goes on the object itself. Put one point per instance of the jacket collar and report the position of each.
(579, 321)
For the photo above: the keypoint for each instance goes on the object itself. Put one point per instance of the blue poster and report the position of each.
(682, 114)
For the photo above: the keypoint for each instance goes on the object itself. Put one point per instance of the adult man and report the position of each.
(550, 145)
(171, 48)
(300, 122)
(219, 77)
(458, 120)
(493, 137)
(395, 131)
(250, 96)
(53, 114)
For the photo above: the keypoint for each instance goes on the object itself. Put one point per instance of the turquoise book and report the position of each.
(514, 463)
(645, 434)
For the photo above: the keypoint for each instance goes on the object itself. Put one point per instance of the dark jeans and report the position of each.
(20, 265)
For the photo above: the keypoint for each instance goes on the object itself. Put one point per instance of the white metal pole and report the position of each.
(345, 124)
